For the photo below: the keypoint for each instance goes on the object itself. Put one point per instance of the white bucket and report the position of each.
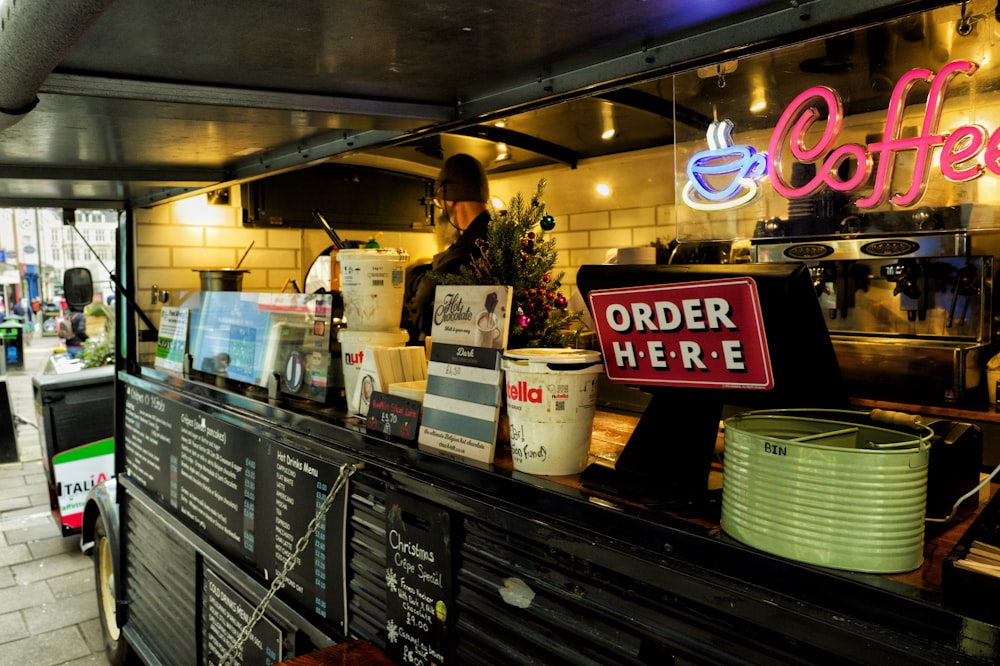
(352, 351)
(372, 284)
(551, 398)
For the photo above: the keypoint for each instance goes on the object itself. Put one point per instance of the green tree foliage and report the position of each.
(518, 253)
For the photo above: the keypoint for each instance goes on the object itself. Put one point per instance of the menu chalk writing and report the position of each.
(393, 416)
(418, 581)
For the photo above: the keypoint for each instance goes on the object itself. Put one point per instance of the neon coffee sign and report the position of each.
(966, 152)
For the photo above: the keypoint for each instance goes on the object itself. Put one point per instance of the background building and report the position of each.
(37, 245)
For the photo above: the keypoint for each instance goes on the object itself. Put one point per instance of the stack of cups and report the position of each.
(371, 281)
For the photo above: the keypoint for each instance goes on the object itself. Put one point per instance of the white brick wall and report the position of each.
(638, 211)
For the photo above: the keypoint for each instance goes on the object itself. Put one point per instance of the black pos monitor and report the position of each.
(697, 338)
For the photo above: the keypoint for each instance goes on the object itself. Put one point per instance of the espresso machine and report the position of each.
(908, 296)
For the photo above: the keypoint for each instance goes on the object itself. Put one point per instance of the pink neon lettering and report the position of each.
(991, 156)
(964, 144)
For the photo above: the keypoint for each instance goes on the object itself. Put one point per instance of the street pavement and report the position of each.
(48, 606)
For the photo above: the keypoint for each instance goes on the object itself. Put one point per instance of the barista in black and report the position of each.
(461, 192)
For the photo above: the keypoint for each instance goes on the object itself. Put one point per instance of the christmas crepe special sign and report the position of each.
(706, 334)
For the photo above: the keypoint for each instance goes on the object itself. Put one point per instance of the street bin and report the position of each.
(12, 333)
(76, 424)
(49, 320)
(75, 408)
(8, 429)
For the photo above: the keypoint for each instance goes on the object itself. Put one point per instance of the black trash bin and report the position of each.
(73, 410)
(12, 333)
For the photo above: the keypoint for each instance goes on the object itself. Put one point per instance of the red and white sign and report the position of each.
(707, 334)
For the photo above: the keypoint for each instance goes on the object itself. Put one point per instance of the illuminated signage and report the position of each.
(705, 334)
(741, 164)
(966, 152)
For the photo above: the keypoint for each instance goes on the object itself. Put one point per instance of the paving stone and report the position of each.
(61, 613)
(40, 498)
(54, 546)
(18, 597)
(12, 627)
(11, 490)
(89, 660)
(10, 470)
(91, 630)
(27, 513)
(6, 577)
(48, 649)
(16, 554)
(72, 584)
(10, 503)
(28, 517)
(13, 479)
(50, 567)
(41, 527)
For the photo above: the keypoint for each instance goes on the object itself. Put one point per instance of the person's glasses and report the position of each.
(439, 197)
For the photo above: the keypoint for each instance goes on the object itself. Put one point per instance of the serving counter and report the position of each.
(436, 560)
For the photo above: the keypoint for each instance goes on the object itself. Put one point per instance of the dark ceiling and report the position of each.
(158, 100)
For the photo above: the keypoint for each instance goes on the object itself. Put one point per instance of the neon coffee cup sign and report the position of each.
(966, 152)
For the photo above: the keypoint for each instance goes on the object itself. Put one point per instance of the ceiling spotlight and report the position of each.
(608, 130)
(503, 153)
(603, 189)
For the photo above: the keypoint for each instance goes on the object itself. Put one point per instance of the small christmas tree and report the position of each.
(515, 254)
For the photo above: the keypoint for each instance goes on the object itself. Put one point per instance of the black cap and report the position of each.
(463, 179)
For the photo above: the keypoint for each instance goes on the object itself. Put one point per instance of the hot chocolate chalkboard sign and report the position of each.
(418, 576)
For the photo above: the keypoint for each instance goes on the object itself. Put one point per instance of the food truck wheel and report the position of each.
(115, 647)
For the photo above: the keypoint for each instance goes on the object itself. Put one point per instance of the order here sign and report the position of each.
(706, 334)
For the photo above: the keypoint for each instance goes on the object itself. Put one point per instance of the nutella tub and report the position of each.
(551, 399)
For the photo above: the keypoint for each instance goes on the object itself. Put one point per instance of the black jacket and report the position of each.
(418, 304)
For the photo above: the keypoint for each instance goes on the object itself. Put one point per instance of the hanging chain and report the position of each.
(346, 472)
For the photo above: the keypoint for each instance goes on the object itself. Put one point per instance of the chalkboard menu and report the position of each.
(224, 614)
(418, 580)
(250, 496)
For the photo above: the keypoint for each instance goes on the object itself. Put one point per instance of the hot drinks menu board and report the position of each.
(250, 496)
(224, 613)
(419, 603)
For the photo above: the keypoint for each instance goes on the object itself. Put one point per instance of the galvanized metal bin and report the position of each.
(826, 492)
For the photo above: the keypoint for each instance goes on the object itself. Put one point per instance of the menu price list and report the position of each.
(301, 486)
(250, 496)
(224, 615)
(418, 582)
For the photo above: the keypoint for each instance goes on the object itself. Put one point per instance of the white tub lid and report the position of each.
(373, 337)
(554, 355)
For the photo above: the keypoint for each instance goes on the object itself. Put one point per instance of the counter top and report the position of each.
(686, 542)
(974, 413)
